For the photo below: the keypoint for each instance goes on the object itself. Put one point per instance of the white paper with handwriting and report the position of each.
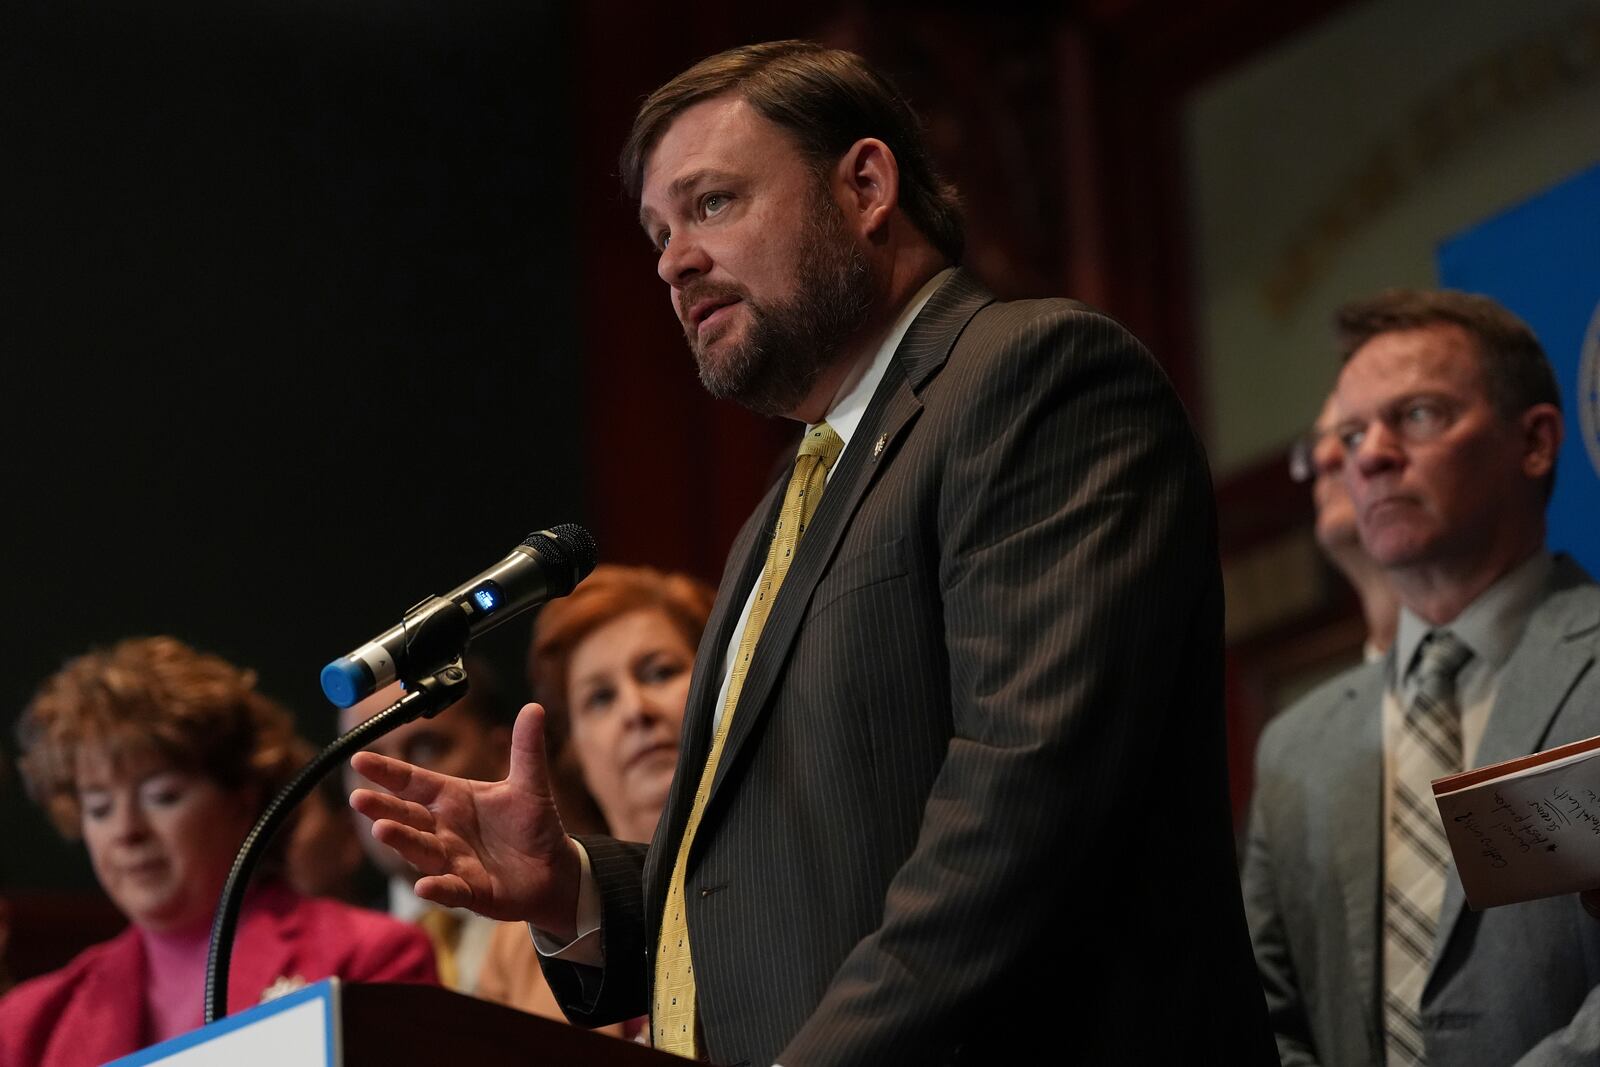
(1531, 831)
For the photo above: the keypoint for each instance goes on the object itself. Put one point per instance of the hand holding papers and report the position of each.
(1526, 828)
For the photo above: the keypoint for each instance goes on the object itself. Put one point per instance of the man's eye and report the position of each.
(713, 203)
(1351, 437)
(662, 240)
(97, 811)
(1423, 418)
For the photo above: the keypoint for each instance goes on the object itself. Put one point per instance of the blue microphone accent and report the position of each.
(343, 681)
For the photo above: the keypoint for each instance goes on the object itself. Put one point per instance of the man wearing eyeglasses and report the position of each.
(1318, 458)
(1448, 418)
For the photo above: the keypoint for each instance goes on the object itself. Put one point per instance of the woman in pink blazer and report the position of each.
(161, 758)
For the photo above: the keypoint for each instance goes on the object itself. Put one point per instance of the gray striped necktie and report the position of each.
(1428, 746)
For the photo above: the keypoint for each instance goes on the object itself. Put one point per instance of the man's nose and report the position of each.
(1379, 450)
(683, 259)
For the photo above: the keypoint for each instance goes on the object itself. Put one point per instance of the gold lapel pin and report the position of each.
(878, 446)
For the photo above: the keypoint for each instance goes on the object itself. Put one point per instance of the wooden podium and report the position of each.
(354, 1025)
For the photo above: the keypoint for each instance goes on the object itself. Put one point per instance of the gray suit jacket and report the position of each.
(1514, 984)
(993, 667)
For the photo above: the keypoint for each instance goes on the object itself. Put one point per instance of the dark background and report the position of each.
(287, 330)
(309, 308)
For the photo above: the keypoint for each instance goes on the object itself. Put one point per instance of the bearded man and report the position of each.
(952, 786)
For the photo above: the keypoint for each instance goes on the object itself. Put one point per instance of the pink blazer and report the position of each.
(92, 1010)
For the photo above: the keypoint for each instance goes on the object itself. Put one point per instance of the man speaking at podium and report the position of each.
(952, 787)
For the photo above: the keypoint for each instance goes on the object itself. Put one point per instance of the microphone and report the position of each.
(434, 633)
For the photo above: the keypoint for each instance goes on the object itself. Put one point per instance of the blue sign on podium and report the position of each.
(299, 1028)
(1541, 259)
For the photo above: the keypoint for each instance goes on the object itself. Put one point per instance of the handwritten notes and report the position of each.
(1526, 828)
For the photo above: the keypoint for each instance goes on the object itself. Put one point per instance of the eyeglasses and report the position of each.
(1303, 455)
(1414, 421)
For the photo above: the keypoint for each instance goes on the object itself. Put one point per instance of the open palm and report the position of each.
(497, 848)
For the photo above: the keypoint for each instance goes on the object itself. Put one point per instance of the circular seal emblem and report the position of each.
(1589, 390)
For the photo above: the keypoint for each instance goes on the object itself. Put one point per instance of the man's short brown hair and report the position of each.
(827, 99)
(1516, 374)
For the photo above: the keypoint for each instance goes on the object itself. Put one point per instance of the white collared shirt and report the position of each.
(1491, 626)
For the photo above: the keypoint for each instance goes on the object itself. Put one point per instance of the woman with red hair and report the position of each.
(611, 665)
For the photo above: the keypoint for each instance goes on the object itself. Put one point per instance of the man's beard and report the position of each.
(788, 345)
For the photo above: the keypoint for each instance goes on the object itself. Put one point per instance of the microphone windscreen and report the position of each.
(570, 548)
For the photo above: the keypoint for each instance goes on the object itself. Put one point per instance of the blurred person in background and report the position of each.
(1318, 458)
(471, 739)
(161, 758)
(1448, 414)
(5, 942)
(6, 981)
(611, 665)
(324, 856)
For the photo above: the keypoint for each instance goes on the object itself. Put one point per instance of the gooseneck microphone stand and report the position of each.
(424, 699)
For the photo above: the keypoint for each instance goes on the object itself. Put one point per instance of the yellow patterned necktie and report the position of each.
(673, 1011)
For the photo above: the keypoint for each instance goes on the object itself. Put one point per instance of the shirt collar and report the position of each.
(1491, 625)
(855, 392)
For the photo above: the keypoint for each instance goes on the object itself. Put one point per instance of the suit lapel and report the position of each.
(857, 470)
(894, 406)
(1532, 689)
(745, 559)
(1356, 815)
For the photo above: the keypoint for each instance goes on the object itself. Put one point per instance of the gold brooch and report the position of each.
(282, 986)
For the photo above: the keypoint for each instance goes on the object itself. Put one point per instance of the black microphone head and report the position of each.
(570, 551)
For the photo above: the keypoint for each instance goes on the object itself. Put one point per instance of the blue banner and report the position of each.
(1541, 259)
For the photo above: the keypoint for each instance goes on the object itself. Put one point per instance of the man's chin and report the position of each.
(722, 363)
(1392, 548)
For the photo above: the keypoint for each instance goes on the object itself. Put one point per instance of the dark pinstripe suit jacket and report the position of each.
(973, 803)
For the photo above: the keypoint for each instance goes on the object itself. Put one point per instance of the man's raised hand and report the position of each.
(497, 848)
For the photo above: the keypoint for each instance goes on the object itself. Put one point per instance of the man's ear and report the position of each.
(868, 181)
(1541, 439)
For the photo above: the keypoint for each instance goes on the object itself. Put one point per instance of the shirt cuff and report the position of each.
(587, 948)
